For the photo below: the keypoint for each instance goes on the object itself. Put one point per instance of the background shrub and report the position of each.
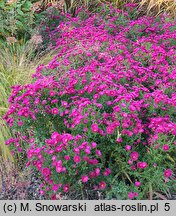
(17, 19)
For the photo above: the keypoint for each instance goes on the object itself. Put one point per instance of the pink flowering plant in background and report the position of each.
(101, 115)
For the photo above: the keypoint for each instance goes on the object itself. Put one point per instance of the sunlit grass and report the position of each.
(18, 62)
(153, 7)
(157, 7)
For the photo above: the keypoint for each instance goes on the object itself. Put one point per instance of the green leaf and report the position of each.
(172, 28)
(26, 6)
(19, 24)
(1, 4)
(148, 45)
(20, 12)
(173, 42)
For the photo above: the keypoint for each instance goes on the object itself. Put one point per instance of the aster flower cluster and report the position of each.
(103, 110)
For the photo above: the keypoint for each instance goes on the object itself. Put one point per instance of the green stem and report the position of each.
(115, 177)
(150, 192)
(82, 191)
(128, 177)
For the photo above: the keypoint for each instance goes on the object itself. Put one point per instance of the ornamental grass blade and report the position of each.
(161, 196)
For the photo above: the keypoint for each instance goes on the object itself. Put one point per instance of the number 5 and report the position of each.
(167, 207)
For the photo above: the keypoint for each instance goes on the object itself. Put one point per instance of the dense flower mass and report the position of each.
(103, 110)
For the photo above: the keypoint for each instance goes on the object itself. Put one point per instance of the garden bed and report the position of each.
(98, 120)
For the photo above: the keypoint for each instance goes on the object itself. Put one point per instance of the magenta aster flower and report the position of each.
(102, 185)
(46, 171)
(67, 157)
(116, 109)
(55, 111)
(168, 173)
(77, 159)
(94, 128)
(66, 188)
(98, 153)
(55, 187)
(131, 195)
(84, 178)
(94, 145)
(92, 174)
(58, 169)
(127, 147)
(97, 171)
(110, 129)
(142, 165)
(137, 184)
(134, 156)
(107, 172)
(165, 147)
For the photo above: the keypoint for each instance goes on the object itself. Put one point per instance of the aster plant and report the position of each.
(101, 114)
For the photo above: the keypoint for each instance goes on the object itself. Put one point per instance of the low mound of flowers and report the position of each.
(101, 115)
